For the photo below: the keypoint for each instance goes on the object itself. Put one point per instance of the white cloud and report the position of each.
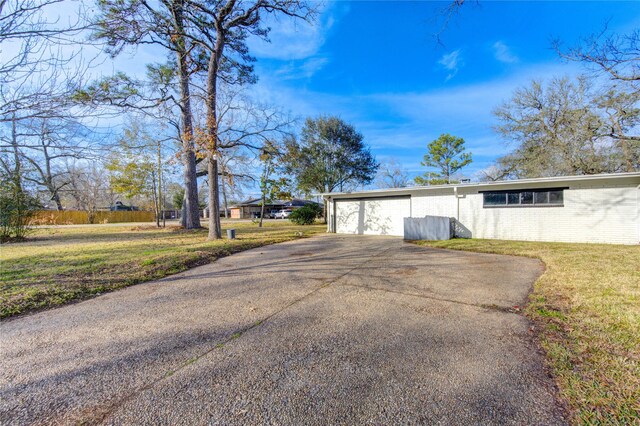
(295, 39)
(451, 62)
(503, 53)
(402, 124)
(289, 40)
(301, 69)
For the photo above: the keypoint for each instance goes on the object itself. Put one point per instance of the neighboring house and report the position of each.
(251, 209)
(592, 209)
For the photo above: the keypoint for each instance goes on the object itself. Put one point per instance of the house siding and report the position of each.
(589, 214)
(440, 203)
(594, 211)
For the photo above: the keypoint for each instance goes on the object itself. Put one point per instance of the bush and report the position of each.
(17, 208)
(306, 215)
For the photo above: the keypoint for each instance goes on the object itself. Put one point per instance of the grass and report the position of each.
(60, 265)
(586, 305)
(587, 309)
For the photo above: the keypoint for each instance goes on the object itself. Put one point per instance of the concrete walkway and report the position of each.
(331, 329)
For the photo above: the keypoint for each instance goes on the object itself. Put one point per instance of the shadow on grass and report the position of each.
(35, 282)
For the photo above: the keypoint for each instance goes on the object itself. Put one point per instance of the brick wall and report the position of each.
(590, 214)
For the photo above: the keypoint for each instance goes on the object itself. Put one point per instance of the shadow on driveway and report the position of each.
(332, 329)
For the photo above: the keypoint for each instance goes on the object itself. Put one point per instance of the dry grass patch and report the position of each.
(64, 264)
(587, 308)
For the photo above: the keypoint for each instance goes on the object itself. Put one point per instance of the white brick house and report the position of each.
(593, 209)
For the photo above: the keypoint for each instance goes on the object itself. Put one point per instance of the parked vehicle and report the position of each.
(282, 214)
(118, 207)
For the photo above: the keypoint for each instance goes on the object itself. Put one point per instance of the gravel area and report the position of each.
(325, 330)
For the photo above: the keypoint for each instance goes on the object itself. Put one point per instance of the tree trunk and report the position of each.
(56, 199)
(191, 210)
(212, 127)
(224, 197)
(17, 172)
(264, 201)
(183, 212)
(214, 204)
(159, 204)
(626, 153)
(154, 195)
(48, 175)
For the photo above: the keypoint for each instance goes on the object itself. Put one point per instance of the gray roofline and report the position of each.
(555, 179)
(256, 202)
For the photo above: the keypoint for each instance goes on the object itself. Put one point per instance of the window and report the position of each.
(541, 197)
(495, 199)
(553, 197)
(526, 197)
(556, 197)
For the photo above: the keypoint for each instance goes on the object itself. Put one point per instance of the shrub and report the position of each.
(17, 208)
(306, 215)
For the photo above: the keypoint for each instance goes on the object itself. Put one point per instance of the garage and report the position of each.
(574, 209)
(372, 216)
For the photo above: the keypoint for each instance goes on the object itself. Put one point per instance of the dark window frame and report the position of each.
(519, 205)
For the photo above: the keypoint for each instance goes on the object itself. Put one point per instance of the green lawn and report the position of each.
(64, 264)
(586, 305)
(587, 310)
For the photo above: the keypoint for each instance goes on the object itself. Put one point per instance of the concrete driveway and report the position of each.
(331, 329)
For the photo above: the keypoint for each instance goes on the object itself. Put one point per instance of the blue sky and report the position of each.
(378, 66)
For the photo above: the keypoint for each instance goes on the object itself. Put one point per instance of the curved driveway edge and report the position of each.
(330, 329)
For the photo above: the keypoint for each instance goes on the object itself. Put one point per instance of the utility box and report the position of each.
(231, 234)
(427, 228)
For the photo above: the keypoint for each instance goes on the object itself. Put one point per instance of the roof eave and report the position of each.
(515, 182)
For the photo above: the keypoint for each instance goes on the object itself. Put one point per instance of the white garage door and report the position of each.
(374, 216)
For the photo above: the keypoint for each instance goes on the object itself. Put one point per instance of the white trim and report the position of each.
(596, 209)
(505, 183)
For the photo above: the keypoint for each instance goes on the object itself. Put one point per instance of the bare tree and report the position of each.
(244, 127)
(38, 140)
(31, 38)
(235, 173)
(88, 188)
(137, 163)
(620, 116)
(392, 175)
(224, 26)
(616, 55)
(493, 173)
(41, 67)
(271, 185)
(10, 157)
(41, 61)
(561, 128)
(47, 144)
(133, 23)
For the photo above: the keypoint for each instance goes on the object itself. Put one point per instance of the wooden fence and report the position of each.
(75, 217)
